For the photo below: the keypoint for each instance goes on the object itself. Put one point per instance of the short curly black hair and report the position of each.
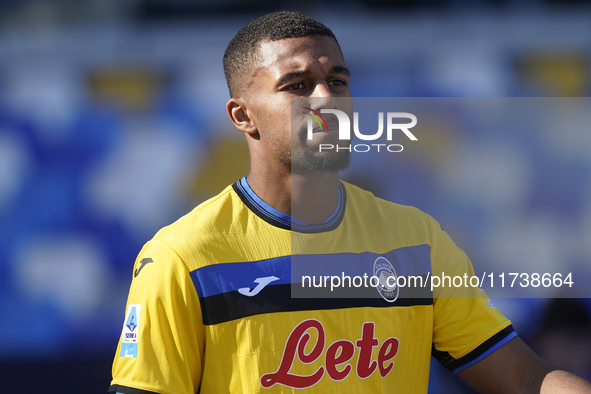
(242, 49)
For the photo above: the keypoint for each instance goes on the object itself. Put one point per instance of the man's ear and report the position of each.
(240, 116)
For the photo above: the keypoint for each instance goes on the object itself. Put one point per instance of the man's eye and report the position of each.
(295, 86)
(337, 82)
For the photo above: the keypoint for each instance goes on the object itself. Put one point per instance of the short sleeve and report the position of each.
(466, 325)
(162, 341)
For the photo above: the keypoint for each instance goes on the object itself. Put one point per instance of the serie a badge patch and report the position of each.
(130, 333)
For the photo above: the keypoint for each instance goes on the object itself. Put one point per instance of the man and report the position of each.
(210, 307)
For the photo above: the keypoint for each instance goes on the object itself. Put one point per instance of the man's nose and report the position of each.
(323, 97)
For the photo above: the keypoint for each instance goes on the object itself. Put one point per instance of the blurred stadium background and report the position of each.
(112, 125)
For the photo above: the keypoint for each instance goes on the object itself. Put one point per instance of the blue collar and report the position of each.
(282, 220)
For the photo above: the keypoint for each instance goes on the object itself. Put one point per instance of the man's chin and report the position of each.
(322, 161)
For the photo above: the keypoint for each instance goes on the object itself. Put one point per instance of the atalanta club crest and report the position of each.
(387, 286)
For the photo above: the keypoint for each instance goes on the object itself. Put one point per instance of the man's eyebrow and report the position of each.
(285, 78)
(289, 76)
(340, 70)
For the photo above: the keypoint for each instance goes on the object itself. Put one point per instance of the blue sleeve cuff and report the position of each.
(486, 353)
(486, 348)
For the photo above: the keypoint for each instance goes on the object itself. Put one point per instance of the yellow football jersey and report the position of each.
(236, 297)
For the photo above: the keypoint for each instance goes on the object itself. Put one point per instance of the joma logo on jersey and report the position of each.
(336, 358)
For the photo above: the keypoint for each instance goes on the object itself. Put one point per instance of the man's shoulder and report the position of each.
(362, 199)
(208, 217)
(210, 223)
(405, 225)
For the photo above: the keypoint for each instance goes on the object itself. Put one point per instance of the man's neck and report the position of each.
(309, 196)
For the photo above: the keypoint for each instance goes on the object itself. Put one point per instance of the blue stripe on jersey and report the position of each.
(412, 260)
(222, 278)
(262, 207)
(489, 351)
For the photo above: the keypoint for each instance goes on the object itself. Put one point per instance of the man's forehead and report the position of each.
(299, 44)
(273, 56)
